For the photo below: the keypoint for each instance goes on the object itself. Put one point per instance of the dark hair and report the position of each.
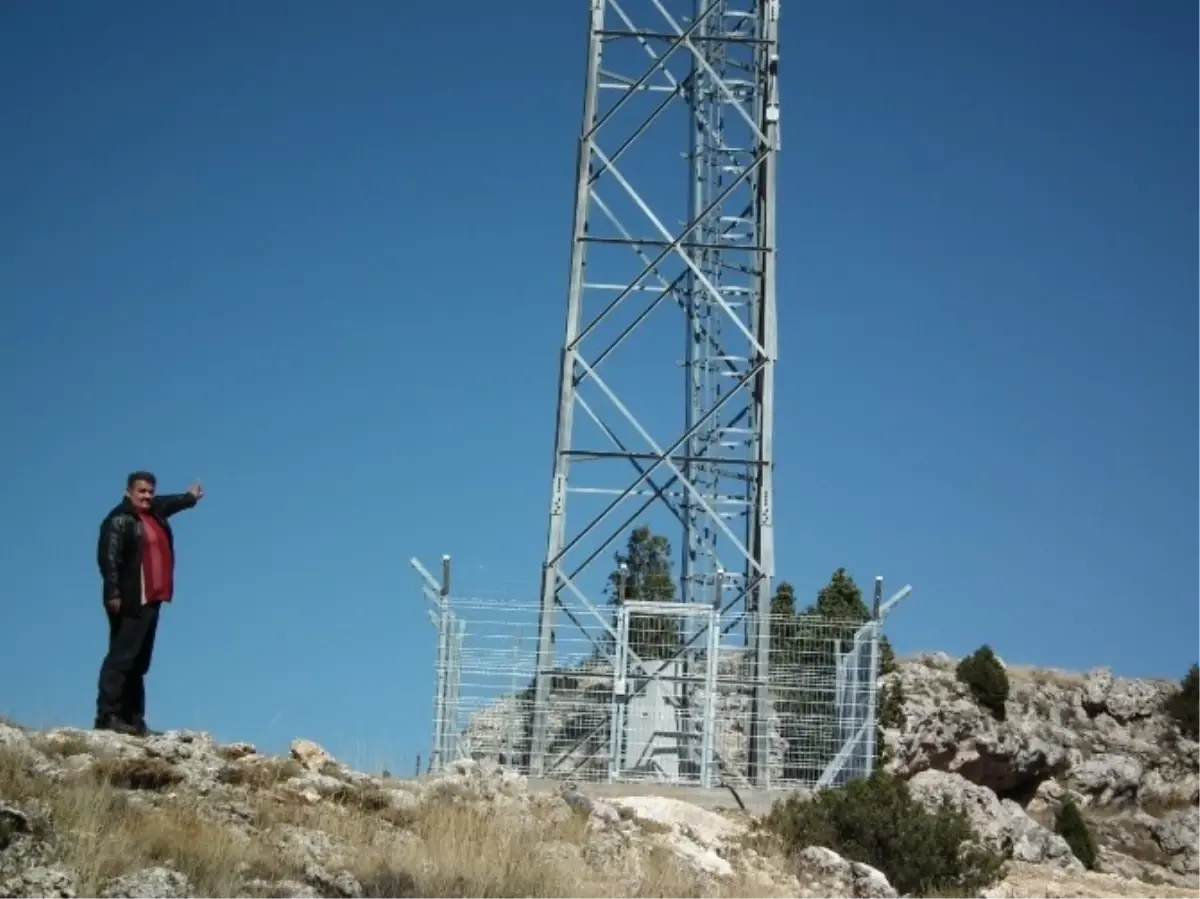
(146, 476)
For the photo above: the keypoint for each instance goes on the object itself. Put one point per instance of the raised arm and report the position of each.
(167, 504)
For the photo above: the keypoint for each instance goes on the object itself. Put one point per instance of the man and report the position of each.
(136, 555)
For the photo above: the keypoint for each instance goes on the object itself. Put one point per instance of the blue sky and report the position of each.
(315, 254)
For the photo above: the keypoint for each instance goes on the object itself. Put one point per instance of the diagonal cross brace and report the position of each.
(712, 411)
(676, 241)
(672, 246)
(665, 460)
(685, 37)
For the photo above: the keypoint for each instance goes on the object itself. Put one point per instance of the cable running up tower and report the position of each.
(669, 81)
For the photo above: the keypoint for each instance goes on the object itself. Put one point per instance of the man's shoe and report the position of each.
(117, 726)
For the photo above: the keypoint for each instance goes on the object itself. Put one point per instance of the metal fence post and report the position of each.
(444, 672)
(620, 688)
(873, 680)
(710, 683)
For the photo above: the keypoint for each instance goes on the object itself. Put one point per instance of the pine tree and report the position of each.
(803, 662)
(647, 576)
(841, 600)
(1070, 824)
(1183, 704)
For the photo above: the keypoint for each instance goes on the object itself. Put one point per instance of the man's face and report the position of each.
(141, 494)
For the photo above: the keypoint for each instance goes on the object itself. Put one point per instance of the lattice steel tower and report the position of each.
(674, 208)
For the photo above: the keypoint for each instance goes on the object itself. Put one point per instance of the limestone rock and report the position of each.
(234, 751)
(13, 821)
(279, 889)
(323, 785)
(23, 844)
(841, 877)
(1023, 880)
(13, 738)
(1108, 777)
(1108, 733)
(149, 883)
(404, 800)
(305, 845)
(1163, 786)
(340, 883)
(1178, 833)
(702, 838)
(311, 755)
(1002, 825)
(1103, 741)
(51, 881)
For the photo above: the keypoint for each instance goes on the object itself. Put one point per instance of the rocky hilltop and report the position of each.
(1105, 742)
(95, 813)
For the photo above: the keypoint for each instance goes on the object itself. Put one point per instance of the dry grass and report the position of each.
(461, 850)
(135, 773)
(1041, 676)
(1160, 807)
(458, 850)
(115, 818)
(259, 773)
(100, 834)
(64, 745)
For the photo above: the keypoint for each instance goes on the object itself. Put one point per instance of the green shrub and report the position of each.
(1184, 705)
(887, 656)
(876, 821)
(890, 715)
(1069, 824)
(983, 674)
(891, 705)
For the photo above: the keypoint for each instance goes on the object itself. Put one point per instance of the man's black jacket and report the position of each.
(119, 550)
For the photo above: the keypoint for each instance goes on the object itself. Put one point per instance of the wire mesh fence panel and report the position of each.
(823, 686)
(634, 698)
(490, 714)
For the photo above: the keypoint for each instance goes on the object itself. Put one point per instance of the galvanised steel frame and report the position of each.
(697, 79)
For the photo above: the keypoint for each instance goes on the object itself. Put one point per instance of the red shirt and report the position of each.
(157, 561)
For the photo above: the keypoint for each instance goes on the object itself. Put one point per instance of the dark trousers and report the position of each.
(122, 693)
